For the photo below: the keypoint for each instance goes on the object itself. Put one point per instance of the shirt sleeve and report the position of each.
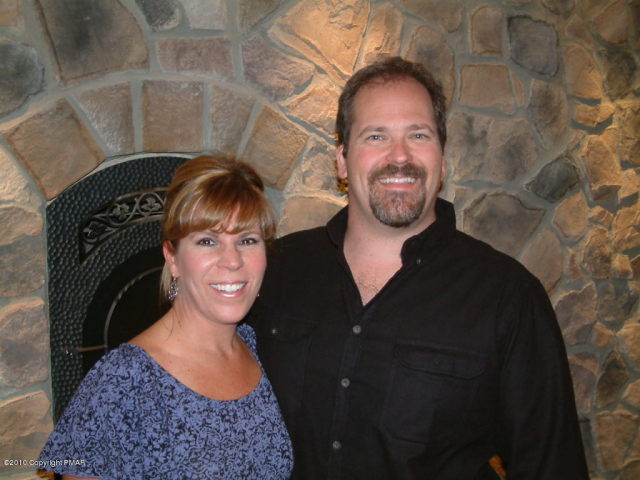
(97, 435)
(539, 433)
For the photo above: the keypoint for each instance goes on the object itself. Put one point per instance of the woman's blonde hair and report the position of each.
(218, 193)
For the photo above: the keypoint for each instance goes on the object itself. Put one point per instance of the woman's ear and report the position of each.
(169, 252)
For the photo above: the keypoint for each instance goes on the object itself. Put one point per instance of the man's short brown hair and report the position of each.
(389, 69)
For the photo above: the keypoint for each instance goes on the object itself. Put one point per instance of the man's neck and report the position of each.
(372, 251)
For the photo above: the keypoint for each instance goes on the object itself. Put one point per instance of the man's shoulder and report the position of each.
(301, 241)
(479, 254)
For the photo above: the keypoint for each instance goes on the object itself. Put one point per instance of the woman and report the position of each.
(187, 398)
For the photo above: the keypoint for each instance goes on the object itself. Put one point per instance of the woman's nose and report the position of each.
(231, 258)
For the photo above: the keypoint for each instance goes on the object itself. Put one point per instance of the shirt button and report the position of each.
(274, 331)
(336, 445)
(345, 382)
(356, 329)
(418, 261)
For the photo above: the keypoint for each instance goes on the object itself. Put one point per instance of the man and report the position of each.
(399, 347)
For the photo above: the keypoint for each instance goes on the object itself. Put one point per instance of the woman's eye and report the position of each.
(249, 241)
(207, 242)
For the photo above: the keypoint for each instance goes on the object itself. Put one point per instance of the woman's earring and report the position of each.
(173, 289)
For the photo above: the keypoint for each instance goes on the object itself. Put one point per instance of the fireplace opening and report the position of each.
(125, 304)
(104, 263)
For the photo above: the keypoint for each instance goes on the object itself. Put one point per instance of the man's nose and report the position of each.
(399, 152)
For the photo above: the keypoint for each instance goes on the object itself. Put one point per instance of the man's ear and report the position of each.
(341, 162)
(169, 252)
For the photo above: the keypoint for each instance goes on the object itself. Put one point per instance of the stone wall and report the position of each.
(543, 154)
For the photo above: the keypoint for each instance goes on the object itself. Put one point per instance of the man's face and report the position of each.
(394, 163)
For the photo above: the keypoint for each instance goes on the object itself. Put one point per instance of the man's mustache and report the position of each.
(390, 170)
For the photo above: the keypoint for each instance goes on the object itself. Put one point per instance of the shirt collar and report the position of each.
(440, 230)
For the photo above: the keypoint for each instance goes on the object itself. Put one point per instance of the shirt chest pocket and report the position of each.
(431, 391)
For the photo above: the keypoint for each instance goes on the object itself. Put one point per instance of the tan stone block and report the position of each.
(206, 15)
(24, 344)
(502, 220)
(430, 47)
(518, 89)
(635, 266)
(59, 156)
(621, 266)
(230, 112)
(276, 74)
(615, 431)
(17, 222)
(626, 228)
(327, 32)
(316, 176)
(544, 258)
(172, 114)
(486, 31)
(631, 470)
(108, 39)
(593, 115)
(601, 216)
(15, 185)
(603, 169)
(559, 6)
(574, 271)
(447, 13)
(383, 34)
(489, 149)
(11, 14)
(631, 395)
(22, 264)
(318, 104)
(571, 217)
(596, 258)
(629, 338)
(25, 424)
(576, 311)
(581, 73)
(250, 12)
(487, 86)
(306, 212)
(612, 24)
(603, 337)
(628, 122)
(110, 112)
(273, 147)
(207, 56)
(549, 112)
(577, 28)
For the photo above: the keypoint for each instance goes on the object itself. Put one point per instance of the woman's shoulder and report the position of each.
(248, 335)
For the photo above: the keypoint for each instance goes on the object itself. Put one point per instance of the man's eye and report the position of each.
(420, 136)
(374, 137)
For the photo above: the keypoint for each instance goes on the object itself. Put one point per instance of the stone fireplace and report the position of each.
(543, 158)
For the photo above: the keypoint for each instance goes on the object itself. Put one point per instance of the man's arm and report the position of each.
(539, 436)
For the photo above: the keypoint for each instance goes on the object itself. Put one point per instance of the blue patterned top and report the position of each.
(131, 419)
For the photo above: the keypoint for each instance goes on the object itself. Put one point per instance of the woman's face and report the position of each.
(219, 274)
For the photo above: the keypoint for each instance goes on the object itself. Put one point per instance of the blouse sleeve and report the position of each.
(97, 435)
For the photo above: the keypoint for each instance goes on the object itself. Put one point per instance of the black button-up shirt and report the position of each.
(458, 358)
